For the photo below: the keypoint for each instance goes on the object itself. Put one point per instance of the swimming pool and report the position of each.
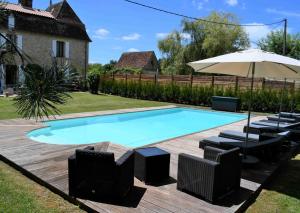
(132, 129)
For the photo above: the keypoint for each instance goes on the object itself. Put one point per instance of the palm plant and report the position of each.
(43, 89)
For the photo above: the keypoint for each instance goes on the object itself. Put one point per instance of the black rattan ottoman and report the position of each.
(151, 164)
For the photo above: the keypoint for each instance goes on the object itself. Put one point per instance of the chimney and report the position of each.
(26, 3)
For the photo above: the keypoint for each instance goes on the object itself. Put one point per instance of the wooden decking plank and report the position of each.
(49, 163)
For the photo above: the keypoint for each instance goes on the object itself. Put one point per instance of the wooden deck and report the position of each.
(47, 164)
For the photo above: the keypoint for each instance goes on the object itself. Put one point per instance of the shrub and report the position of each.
(94, 81)
(264, 100)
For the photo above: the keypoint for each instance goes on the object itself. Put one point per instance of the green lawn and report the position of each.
(283, 193)
(20, 194)
(83, 102)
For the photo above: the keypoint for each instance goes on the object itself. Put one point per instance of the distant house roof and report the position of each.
(135, 59)
(59, 20)
(19, 8)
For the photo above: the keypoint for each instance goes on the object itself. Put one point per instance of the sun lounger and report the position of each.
(284, 125)
(240, 135)
(283, 119)
(227, 143)
(251, 137)
(294, 131)
(289, 115)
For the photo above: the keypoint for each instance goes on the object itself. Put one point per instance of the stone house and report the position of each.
(42, 35)
(146, 61)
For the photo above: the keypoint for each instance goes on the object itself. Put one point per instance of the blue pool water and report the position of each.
(132, 129)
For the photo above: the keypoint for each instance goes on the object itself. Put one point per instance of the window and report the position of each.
(60, 49)
(11, 21)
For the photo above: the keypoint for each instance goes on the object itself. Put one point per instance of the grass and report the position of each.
(83, 102)
(20, 194)
(283, 193)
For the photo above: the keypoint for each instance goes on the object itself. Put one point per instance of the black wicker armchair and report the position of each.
(212, 177)
(94, 175)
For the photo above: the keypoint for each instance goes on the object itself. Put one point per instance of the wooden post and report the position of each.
(263, 83)
(172, 78)
(126, 84)
(113, 76)
(293, 90)
(213, 81)
(155, 78)
(236, 84)
(191, 80)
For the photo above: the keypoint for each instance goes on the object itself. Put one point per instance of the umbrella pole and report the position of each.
(281, 101)
(249, 110)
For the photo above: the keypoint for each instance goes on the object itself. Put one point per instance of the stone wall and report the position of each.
(39, 49)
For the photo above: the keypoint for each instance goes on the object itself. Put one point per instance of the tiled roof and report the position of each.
(135, 59)
(19, 8)
(59, 20)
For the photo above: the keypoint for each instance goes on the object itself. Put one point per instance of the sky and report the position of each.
(116, 26)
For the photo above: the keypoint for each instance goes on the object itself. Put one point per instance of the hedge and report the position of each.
(264, 100)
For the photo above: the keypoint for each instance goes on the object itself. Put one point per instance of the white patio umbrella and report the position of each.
(253, 63)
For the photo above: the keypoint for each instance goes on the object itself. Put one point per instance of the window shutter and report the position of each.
(54, 48)
(2, 41)
(67, 50)
(21, 74)
(20, 41)
(2, 78)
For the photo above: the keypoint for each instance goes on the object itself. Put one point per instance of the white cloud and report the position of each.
(131, 37)
(244, 6)
(133, 50)
(101, 33)
(185, 36)
(232, 2)
(257, 32)
(199, 4)
(94, 62)
(164, 35)
(116, 48)
(283, 13)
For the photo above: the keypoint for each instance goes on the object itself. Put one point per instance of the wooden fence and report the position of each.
(194, 80)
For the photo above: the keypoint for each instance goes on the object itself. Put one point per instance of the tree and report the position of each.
(274, 43)
(95, 68)
(173, 53)
(199, 40)
(110, 66)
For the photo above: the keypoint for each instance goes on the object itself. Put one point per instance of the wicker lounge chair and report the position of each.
(96, 174)
(212, 177)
